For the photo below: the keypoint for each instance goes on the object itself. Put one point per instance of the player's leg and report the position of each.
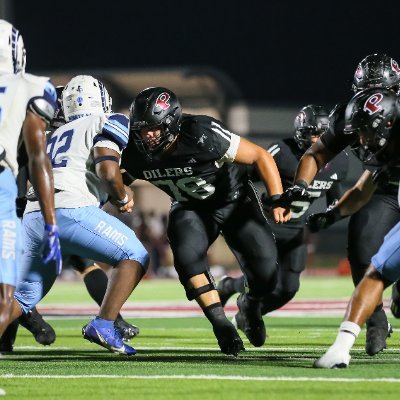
(96, 281)
(91, 232)
(367, 229)
(10, 245)
(384, 269)
(249, 235)
(190, 234)
(228, 286)
(292, 254)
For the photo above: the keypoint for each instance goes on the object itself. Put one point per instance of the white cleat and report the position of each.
(333, 358)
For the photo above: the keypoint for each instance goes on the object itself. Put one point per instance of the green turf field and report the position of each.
(178, 358)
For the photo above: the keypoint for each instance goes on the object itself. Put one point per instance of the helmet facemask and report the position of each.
(155, 109)
(12, 50)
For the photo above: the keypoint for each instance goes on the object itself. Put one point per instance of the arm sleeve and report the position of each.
(116, 131)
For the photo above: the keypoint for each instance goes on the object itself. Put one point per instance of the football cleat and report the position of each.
(228, 338)
(108, 338)
(249, 320)
(333, 358)
(395, 301)
(42, 331)
(225, 289)
(8, 338)
(127, 330)
(378, 330)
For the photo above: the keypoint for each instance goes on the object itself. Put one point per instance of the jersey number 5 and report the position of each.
(57, 145)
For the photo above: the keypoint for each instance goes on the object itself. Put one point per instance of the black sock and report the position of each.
(238, 284)
(9, 335)
(215, 313)
(96, 284)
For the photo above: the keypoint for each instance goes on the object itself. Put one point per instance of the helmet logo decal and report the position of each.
(301, 118)
(372, 106)
(395, 66)
(162, 101)
(359, 73)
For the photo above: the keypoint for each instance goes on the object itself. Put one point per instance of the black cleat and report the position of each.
(395, 301)
(127, 330)
(8, 338)
(42, 331)
(249, 319)
(228, 338)
(225, 289)
(378, 330)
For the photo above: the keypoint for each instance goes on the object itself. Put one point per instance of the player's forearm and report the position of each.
(41, 176)
(356, 197)
(269, 173)
(111, 178)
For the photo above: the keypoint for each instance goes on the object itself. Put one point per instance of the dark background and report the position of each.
(276, 52)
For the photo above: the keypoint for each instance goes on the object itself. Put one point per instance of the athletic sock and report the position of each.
(104, 323)
(347, 335)
(96, 284)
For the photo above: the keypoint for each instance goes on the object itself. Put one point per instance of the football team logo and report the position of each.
(395, 66)
(371, 106)
(162, 101)
(301, 118)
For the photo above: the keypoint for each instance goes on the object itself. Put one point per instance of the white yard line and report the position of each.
(206, 377)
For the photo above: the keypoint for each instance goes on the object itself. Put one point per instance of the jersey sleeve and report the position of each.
(226, 142)
(45, 105)
(275, 150)
(335, 139)
(114, 133)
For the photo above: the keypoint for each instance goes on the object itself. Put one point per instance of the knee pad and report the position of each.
(193, 293)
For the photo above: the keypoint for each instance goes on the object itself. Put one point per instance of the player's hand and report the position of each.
(281, 215)
(126, 207)
(51, 246)
(292, 194)
(318, 221)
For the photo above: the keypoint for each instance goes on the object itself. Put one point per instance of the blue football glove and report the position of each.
(52, 248)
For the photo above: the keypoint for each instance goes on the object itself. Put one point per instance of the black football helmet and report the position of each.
(155, 107)
(377, 70)
(59, 118)
(312, 120)
(374, 115)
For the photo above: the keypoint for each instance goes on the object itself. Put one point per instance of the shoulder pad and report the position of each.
(45, 106)
(116, 129)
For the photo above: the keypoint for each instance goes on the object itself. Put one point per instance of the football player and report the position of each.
(85, 154)
(309, 124)
(202, 165)
(27, 105)
(371, 223)
(373, 115)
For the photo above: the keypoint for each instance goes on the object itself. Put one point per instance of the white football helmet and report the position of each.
(12, 50)
(84, 95)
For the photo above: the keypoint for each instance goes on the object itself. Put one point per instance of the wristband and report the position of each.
(275, 197)
(124, 200)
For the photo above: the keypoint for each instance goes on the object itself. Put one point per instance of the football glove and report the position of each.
(51, 246)
(297, 192)
(319, 221)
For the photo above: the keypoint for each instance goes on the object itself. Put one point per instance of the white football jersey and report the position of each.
(70, 149)
(16, 93)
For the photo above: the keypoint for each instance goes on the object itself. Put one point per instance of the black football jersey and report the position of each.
(287, 154)
(198, 170)
(336, 140)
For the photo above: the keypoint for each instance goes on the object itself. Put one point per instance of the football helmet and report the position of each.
(59, 118)
(373, 115)
(12, 50)
(312, 120)
(377, 70)
(84, 95)
(155, 107)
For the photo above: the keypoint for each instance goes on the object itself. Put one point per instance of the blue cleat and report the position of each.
(106, 337)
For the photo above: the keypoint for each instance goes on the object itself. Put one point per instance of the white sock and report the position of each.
(347, 335)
